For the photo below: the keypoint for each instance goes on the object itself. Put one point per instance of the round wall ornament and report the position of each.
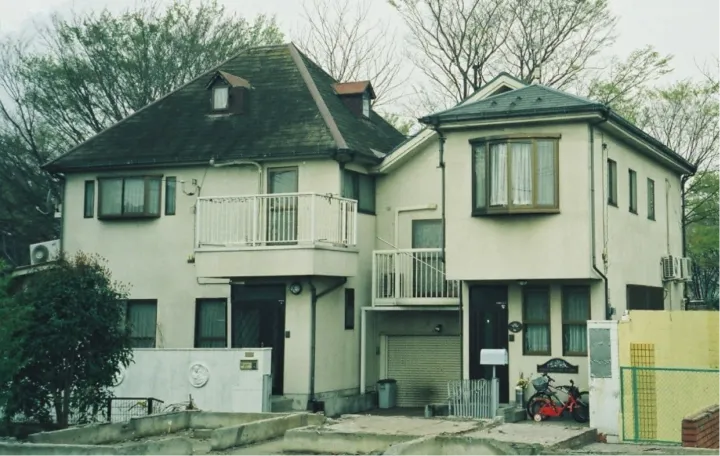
(119, 376)
(199, 375)
(515, 326)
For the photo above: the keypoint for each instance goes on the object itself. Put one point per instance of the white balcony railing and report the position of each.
(412, 276)
(274, 220)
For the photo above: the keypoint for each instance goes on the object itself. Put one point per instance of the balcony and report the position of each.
(412, 277)
(282, 234)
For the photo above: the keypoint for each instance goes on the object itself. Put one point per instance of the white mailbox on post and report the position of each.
(494, 357)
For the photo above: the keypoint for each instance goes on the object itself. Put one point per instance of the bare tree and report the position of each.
(340, 37)
(462, 43)
(85, 73)
(455, 40)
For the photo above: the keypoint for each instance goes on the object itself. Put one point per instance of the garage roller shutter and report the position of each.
(422, 366)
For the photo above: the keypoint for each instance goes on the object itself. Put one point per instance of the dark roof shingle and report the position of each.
(283, 121)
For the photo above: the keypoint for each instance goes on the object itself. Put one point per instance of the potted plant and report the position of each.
(520, 387)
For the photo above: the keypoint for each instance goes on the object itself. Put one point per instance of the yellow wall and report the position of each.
(681, 350)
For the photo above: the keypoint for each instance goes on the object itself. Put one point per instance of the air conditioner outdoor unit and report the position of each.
(44, 251)
(686, 269)
(670, 268)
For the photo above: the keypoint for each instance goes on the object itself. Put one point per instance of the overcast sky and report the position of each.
(688, 29)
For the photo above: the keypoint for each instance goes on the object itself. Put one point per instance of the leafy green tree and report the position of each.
(80, 75)
(702, 238)
(62, 339)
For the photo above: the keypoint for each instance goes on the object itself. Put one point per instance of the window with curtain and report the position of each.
(89, 209)
(575, 314)
(651, 199)
(220, 98)
(632, 185)
(211, 323)
(515, 175)
(129, 197)
(536, 320)
(360, 187)
(612, 182)
(141, 317)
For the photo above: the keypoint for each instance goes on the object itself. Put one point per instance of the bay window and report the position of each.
(515, 175)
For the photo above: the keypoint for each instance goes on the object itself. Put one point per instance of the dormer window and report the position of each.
(356, 96)
(220, 98)
(228, 93)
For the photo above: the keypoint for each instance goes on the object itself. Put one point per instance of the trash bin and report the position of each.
(387, 393)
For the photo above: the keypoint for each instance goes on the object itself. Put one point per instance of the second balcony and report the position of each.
(282, 234)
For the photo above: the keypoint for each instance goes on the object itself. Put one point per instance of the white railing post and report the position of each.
(396, 275)
(354, 223)
(374, 284)
(197, 223)
(312, 218)
(255, 220)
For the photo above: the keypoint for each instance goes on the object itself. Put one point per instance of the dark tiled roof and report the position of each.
(283, 121)
(538, 100)
(533, 99)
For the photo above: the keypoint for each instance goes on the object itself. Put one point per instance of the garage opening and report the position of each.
(422, 367)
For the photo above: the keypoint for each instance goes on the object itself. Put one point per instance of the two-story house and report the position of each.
(239, 209)
(510, 221)
(266, 204)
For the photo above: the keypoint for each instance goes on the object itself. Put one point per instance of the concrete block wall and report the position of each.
(701, 430)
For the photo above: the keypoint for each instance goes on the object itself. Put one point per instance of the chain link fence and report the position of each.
(654, 400)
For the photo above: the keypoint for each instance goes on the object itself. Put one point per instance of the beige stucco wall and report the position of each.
(416, 183)
(527, 365)
(529, 247)
(151, 256)
(634, 244)
(554, 247)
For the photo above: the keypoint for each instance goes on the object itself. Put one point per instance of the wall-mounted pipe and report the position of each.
(243, 163)
(593, 245)
(314, 298)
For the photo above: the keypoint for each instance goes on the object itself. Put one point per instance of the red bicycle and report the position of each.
(545, 403)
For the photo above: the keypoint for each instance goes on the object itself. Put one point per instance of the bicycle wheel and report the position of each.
(536, 405)
(532, 400)
(581, 411)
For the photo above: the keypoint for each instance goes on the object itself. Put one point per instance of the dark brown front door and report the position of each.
(258, 320)
(488, 329)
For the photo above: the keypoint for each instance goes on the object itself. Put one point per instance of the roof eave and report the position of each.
(439, 120)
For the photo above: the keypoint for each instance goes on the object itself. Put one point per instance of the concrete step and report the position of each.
(280, 404)
(511, 414)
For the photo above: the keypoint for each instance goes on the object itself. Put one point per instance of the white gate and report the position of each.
(473, 398)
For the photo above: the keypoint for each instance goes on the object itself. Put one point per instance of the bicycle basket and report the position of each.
(540, 384)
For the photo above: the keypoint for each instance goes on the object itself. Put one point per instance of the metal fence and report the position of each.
(124, 408)
(654, 400)
(473, 398)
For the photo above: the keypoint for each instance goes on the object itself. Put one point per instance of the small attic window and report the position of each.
(356, 96)
(228, 93)
(220, 98)
(366, 104)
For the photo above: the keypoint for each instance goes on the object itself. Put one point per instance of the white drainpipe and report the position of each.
(241, 163)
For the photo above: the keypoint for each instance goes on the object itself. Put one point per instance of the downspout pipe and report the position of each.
(608, 310)
(243, 163)
(441, 165)
(312, 403)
